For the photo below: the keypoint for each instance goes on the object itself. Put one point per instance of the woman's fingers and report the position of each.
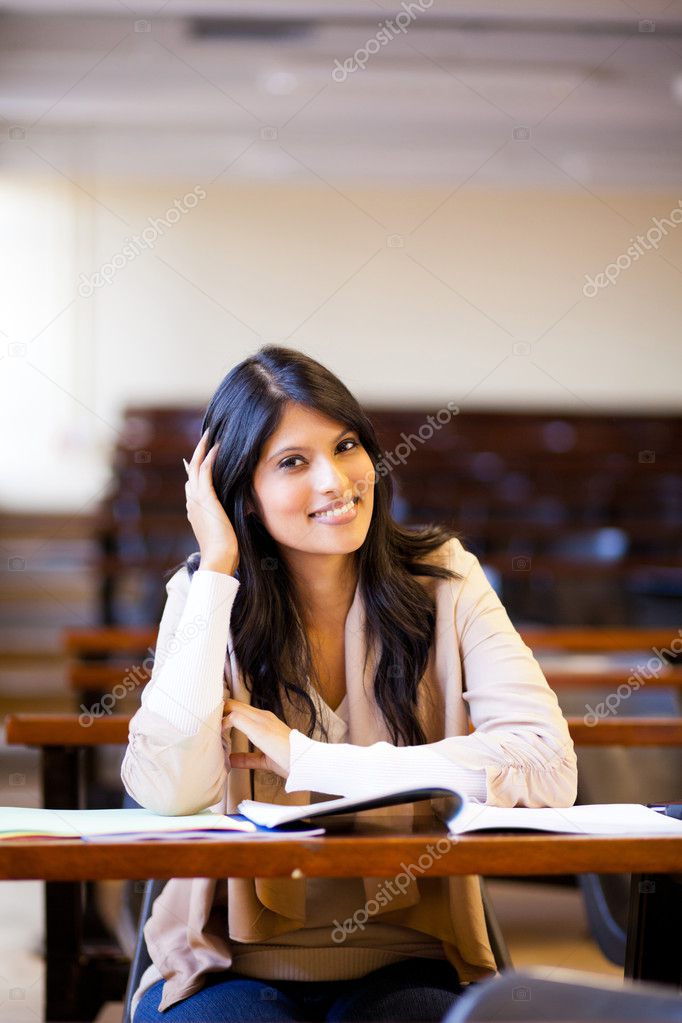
(250, 761)
(265, 731)
(251, 727)
(198, 451)
(197, 457)
(246, 718)
(199, 485)
(208, 461)
(239, 705)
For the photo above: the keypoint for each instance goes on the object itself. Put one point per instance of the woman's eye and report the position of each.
(287, 463)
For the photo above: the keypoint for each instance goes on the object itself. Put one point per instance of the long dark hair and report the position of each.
(269, 639)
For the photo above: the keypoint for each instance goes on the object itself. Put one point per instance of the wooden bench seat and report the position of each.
(48, 730)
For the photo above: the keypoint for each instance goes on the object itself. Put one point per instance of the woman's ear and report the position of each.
(250, 507)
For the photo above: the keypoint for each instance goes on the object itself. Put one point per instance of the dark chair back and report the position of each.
(141, 959)
(529, 996)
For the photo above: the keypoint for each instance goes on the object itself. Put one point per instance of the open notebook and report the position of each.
(259, 820)
(462, 816)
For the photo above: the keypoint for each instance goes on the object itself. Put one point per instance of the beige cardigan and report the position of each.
(478, 667)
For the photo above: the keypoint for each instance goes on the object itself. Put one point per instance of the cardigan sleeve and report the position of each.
(520, 735)
(175, 762)
(520, 744)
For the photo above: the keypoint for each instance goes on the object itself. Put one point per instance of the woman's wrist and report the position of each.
(218, 563)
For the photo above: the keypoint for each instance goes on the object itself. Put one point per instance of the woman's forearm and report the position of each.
(188, 676)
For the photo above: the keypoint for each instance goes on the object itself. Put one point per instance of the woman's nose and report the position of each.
(331, 477)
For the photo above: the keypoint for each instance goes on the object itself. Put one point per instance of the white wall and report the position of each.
(410, 296)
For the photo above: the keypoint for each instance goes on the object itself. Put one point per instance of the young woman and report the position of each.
(310, 645)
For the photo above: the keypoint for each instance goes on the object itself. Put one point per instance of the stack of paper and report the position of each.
(24, 822)
(134, 825)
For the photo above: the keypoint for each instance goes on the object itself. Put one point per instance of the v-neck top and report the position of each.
(336, 720)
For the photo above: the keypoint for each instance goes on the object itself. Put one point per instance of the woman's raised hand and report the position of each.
(265, 730)
(214, 532)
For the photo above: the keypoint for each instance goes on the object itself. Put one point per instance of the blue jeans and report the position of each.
(412, 989)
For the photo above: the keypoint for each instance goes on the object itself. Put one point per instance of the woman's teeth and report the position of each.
(335, 514)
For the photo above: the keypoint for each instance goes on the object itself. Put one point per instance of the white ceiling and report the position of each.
(519, 94)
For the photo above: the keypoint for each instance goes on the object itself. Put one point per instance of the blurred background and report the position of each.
(444, 202)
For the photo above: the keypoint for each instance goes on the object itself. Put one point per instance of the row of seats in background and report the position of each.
(575, 518)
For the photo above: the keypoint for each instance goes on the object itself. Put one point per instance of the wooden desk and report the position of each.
(368, 847)
(63, 740)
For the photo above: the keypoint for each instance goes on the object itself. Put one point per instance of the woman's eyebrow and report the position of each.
(302, 447)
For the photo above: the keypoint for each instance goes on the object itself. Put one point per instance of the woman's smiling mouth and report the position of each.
(344, 513)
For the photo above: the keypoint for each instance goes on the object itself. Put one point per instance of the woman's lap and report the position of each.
(415, 989)
(221, 1000)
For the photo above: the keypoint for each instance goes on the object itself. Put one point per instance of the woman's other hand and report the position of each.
(214, 532)
(265, 730)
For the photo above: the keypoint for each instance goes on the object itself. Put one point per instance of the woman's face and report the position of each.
(309, 464)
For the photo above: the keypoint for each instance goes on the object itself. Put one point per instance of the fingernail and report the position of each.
(186, 466)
